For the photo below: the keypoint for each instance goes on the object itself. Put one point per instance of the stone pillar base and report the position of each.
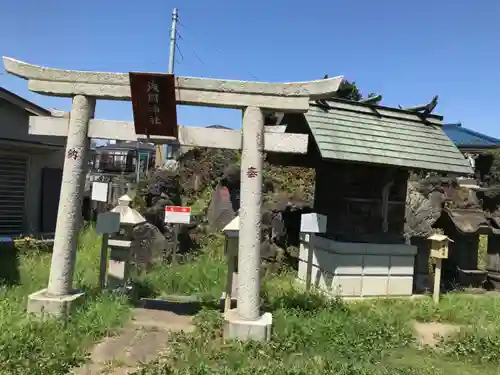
(41, 304)
(236, 328)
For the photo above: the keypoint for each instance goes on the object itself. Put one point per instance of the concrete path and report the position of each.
(140, 341)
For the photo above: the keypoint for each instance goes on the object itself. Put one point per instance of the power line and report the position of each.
(197, 56)
(181, 24)
(179, 50)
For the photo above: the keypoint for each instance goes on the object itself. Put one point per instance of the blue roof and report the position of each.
(463, 137)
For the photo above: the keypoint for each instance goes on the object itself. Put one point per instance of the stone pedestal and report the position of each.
(42, 304)
(119, 266)
(236, 328)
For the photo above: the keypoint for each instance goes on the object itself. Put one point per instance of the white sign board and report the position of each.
(108, 223)
(99, 191)
(177, 215)
(313, 223)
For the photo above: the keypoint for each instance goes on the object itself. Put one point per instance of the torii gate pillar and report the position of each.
(250, 215)
(252, 98)
(70, 200)
(59, 297)
(245, 322)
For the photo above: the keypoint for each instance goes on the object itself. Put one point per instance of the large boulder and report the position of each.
(148, 245)
(421, 212)
(221, 209)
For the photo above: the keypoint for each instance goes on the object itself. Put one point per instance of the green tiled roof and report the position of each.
(369, 134)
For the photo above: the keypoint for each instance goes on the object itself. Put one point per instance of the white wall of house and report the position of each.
(22, 159)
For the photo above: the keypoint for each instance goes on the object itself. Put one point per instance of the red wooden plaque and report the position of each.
(154, 104)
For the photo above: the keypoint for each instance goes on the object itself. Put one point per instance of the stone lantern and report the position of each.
(121, 244)
(439, 245)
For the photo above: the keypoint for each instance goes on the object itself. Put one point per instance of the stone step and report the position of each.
(142, 340)
(164, 320)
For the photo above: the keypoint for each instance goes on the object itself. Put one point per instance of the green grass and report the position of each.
(28, 346)
(317, 337)
(202, 275)
(313, 335)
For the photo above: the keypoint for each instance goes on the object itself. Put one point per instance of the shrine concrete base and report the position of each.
(236, 328)
(42, 305)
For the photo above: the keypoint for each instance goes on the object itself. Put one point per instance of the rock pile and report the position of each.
(209, 179)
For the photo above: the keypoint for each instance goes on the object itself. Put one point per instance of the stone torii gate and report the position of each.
(253, 98)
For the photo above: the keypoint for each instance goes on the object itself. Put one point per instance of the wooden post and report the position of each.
(310, 224)
(107, 223)
(229, 282)
(176, 243)
(437, 280)
(310, 247)
(439, 251)
(103, 261)
(231, 232)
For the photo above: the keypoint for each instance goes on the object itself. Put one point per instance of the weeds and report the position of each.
(28, 346)
(316, 335)
(311, 333)
(202, 275)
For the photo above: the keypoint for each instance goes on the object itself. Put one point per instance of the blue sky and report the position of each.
(406, 50)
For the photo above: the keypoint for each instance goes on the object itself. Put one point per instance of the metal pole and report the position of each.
(137, 165)
(161, 150)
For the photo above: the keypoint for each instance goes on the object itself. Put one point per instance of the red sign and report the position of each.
(154, 104)
(177, 209)
(177, 215)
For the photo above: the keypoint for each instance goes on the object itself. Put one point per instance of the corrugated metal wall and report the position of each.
(13, 179)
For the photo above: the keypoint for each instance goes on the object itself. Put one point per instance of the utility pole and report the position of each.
(161, 149)
(173, 37)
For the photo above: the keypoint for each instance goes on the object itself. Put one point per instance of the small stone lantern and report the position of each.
(121, 244)
(231, 234)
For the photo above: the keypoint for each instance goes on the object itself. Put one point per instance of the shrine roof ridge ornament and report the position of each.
(293, 96)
